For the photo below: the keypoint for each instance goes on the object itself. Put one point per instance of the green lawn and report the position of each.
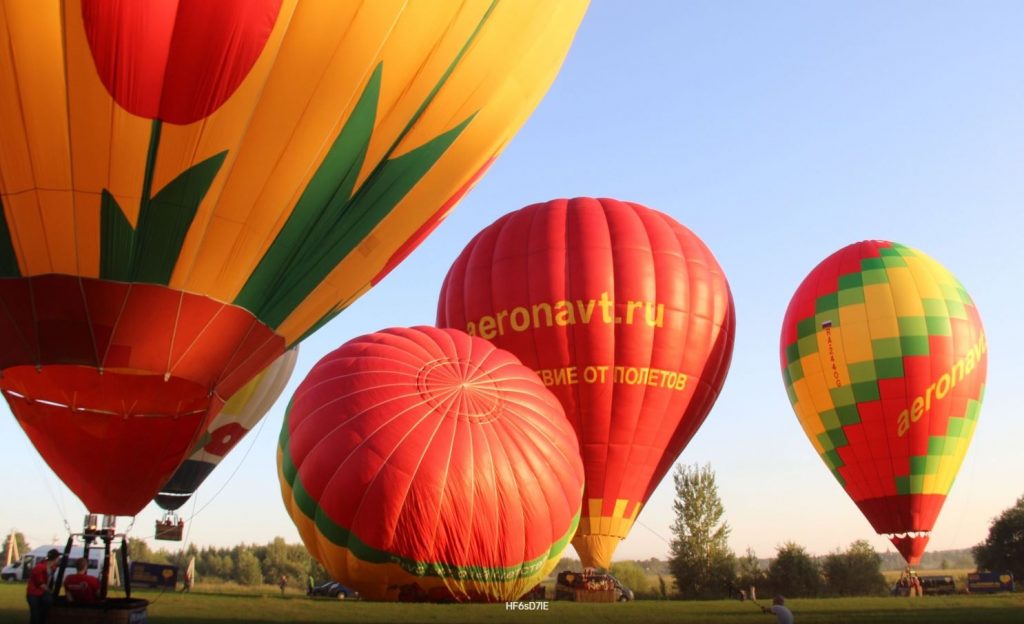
(269, 606)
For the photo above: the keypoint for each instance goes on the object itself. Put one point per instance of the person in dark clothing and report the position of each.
(38, 593)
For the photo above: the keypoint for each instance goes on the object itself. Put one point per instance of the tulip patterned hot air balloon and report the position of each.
(425, 464)
(240, 414)
(884, 359)
(188, 188)
(628, 319)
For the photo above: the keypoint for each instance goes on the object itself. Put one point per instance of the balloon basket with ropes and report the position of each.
(113, 567)
(169, 528)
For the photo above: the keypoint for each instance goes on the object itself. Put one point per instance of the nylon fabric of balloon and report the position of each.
(628, 318)
(240, 414)
(884, 359)
(425, 464)
(189, 188)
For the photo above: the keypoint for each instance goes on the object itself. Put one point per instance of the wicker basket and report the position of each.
(112, 611)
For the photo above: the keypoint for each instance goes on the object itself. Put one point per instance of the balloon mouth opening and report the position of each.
(89, 391)
(460, 389)
(908, 534)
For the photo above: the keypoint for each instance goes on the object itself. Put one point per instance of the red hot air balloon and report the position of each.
(628, 319)
(424, 463)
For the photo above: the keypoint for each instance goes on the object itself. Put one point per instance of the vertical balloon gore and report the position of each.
(884, 358)
(628, 319)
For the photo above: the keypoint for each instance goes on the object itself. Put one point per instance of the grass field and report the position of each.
(268, 605)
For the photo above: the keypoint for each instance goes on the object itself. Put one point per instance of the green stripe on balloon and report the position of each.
(329, 221)
(344, 538)
(383, 190)
(328, 192)
(149, 251)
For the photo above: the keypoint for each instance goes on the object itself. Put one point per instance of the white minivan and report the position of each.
(19, 570)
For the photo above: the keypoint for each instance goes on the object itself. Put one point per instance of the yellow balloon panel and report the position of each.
(350, 129)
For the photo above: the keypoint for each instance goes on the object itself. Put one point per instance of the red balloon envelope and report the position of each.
(424, 463)
(627, 317)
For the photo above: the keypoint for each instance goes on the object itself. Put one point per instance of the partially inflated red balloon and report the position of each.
(424, 463)
(628, 319)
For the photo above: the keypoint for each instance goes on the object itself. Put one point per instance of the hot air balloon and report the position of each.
(422, 463)
(884, 359)
(628, 319)
(189, 188)
(240, 414)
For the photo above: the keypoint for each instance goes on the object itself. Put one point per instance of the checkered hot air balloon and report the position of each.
(884, 359)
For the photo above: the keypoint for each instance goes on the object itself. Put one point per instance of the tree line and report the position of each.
(245, 564)
(700, 562)
(704, 567)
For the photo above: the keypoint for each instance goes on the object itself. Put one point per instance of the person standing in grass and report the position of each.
(283, 583)
(779, 609)
(38, 593)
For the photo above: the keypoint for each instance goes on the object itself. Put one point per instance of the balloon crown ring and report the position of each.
(460, 389)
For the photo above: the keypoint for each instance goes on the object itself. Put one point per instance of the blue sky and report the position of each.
(777, 132)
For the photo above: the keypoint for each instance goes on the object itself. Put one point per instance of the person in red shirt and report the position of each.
(82, 588)
(38, 592)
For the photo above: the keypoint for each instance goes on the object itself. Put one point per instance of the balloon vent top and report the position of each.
(460, 389)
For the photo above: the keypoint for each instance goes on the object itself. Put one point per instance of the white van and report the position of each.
(19, 570)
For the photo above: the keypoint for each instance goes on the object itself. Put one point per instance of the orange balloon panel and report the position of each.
(628, 319)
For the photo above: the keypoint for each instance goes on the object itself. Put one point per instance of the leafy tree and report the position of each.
(794, 573)
(631, 575)
(1003, 549)
(702, 563)
(749, 572)
(227, 565)
(139, 550)
(857, 572)
(282, 558)
(247, 570)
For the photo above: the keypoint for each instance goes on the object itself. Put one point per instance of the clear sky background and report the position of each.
(778, 132)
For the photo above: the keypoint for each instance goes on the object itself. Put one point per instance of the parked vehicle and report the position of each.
(19, 570)
(989, 582)
(938, 585)
(591, 587)
(333, 589)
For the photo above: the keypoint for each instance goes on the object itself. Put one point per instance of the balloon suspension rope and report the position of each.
(658, 535)
(53, 497)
